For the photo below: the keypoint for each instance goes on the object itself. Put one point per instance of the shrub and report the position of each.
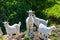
(27, 38)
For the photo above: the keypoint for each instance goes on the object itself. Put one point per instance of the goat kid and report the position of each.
(12, 29)
(29, 22)
(45, 30)
(37, 21)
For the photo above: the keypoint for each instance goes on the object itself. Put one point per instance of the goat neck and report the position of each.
(30, 16)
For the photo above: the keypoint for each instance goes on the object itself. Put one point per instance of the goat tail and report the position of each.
(19, 23)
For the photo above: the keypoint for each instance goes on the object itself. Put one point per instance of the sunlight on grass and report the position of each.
(55, 36)
(1, 39)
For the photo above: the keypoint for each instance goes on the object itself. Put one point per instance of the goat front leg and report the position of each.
(18, 31)
(31, 31)
(27, 26)
(10, 36)
(45, 37)
(39, 34)
(32, 28)
(32, 25)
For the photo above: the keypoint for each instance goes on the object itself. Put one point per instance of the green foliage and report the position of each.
(27, 38)
(55, 38)
(1, 38)
(54, 34)
(53, 11)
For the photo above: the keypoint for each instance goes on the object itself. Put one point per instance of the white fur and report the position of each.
(37, 21)
(45, 30)
(12, 29)
(29, 21)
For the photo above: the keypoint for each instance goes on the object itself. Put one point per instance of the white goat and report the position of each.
(29, 22)
(37, 21)
(12, 29)
(45, 30)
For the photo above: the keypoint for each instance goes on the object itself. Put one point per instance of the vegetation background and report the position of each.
(15, 11)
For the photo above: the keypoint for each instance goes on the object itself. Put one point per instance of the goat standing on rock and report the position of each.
(29, 22)
(12, 29)
(45, 30)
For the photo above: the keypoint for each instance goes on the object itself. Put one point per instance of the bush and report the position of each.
(27, 38)
(53, 11)
(54, 34)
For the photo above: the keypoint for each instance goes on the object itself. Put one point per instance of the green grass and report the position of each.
(1, 39)
(55, 36)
